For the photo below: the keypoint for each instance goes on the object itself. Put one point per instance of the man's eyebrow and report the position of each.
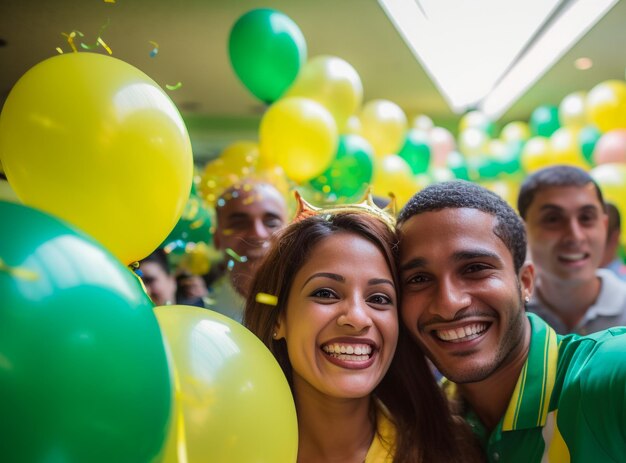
(459, 256)
(238, 215)
(474, 254)
(413, 264)
(332, 276)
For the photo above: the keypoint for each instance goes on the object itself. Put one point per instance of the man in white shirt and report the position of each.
(565, 218)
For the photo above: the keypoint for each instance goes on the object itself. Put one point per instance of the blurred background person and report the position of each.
(248, 214)
(564, 214)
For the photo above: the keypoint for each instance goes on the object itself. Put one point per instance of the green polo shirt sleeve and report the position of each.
(592, 405)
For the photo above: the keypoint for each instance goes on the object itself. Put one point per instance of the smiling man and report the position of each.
(529, 394)
(567, 230)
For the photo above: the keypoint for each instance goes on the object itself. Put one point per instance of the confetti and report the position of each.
(230, 265)
(236, 256)
(59, 50)
(173, 87)
(70, 38)
(18, 272)
(109, 1)
(104, 45)
(228, 232)
(197, 224)
(155, 50)
(267, 299)
(97, 43)
(249, 200)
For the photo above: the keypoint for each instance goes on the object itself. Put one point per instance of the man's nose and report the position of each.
(575, 230)
(260, 231)
(451, 297)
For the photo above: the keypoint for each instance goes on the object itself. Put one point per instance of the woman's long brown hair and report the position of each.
(426, 430)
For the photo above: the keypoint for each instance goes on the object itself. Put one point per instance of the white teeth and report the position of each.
(349, 351)
(465, 333)
(572, 257)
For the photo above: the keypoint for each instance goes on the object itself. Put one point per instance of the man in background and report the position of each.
(565, 218)
(248, 214)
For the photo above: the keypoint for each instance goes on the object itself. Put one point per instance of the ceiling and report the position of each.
(193, 34)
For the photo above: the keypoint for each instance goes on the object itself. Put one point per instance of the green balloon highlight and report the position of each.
(267, 50)
(587, 139)
(544, 120)
(350, 171)
(416, 151)
(83, 369)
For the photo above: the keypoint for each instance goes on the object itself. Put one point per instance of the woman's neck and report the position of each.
(331, 429)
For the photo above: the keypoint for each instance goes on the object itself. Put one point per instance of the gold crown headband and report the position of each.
(365, 206)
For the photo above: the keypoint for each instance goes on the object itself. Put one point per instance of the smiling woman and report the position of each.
(334, 330)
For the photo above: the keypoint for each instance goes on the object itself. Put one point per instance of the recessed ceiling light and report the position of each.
(583, 63)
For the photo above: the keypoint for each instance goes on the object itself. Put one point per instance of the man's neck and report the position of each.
(490, 397)
(568, 301)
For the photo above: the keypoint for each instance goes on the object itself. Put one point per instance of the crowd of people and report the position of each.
(521, 313)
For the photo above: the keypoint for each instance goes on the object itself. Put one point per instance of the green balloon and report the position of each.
(267, 50)
(587, 139)
(458, 165)
(416, 151)
(544, 120)
(194, 224)
(510, 161)
(83, 371)
(485, 167)
(351, 170)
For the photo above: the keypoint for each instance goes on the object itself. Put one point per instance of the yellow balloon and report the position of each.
(572, 110)
(332, 82)
(353, 126)
(507, 189)
(565, 149)
(95, 141)
(422, 122)
(536, 154)
(300, 135)
(606, 105)
(384, 125)
(476, 120)
(473, 142)
(241, 156)
(515, 131)
(392, 174)
(232, 400)
(612, 181)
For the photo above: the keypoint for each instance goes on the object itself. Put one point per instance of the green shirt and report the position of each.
(569, 404)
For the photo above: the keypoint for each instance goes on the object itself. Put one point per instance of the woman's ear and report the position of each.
(279, 328)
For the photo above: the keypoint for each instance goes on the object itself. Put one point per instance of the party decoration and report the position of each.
(587, 139)
(458, 166)
(266, 51)
(84, 374)
(611, 147)
(392, 174)
(422, 122)
(441, 144)
(565, 149)
(606, 105)
(572, 110)
(96, 142)
(544, 120)
(515, 131)
(194, 224)
(299, 135)
(612, 181)
(416, 151)
(477, 120)
(333, 83)
(473, 142)
(384, 125)
(536, 154)
(350, 171)
(353, 126)
(232, 402)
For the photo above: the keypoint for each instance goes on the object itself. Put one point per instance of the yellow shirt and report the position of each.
(383, 445)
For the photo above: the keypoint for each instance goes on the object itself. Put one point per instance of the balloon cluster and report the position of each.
(101, 158)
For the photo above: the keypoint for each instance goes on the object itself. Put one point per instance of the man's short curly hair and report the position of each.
(460, 194)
